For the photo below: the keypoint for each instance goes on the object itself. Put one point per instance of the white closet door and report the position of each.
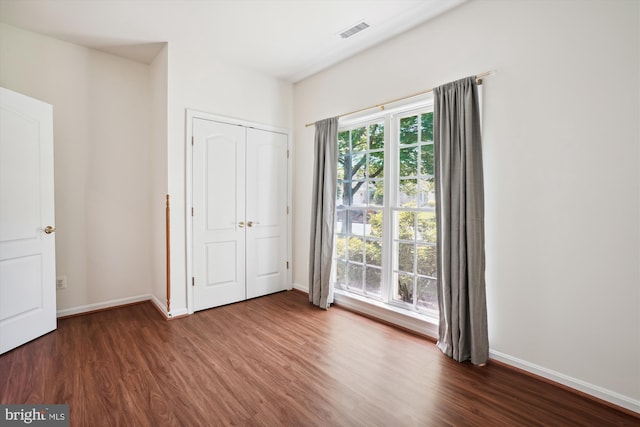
(218, 213)
(266, 212)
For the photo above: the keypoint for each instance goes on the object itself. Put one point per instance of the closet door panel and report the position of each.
(266, 204)
(218, 213)
(221, 195)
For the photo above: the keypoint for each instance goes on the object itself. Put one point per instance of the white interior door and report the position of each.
(27, 251)
(266, 212)
(218, 213)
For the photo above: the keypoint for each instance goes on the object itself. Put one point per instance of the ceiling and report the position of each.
(287, 39)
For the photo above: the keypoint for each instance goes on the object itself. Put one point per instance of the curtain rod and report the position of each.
(479, 78)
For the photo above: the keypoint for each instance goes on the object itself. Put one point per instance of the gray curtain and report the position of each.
(460, 222)
(323, 212)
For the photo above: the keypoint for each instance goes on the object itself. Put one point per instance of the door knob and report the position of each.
(252, 223)
(49, 229)
(241, 224)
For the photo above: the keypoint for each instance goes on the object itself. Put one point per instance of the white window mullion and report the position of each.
(390, 183)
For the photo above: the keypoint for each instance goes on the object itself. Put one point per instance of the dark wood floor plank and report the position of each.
(273, 361)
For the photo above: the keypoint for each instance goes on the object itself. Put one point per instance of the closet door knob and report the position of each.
(252, 223)
(241, 224)
(49, 229)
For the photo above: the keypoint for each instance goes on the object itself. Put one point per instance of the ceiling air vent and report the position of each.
(353, 30)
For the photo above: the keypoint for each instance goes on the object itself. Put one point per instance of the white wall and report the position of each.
(158, 73)
(201, 82)
(561, 149)
(102, 170)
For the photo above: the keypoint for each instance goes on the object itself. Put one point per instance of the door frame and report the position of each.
(190, 115)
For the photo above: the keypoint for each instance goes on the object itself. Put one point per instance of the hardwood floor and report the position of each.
(273, 361)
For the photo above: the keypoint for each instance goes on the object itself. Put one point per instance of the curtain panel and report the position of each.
(323, 209)
(460, 222)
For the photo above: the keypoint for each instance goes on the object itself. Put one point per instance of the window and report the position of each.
(385, 243)
(360, 209)
(414, 224)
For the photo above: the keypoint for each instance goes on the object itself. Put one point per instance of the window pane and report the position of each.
(427, 195)
(426, 161)
(427, 260)
(359, 139)
(426, 127)
(341, 269)
(407, 193)
(426, 230)
(355, 276)
(373, 227)
(404, 288)
(339, 194)
(343, 142)
(376, 136)
(356, 249)
(359, 191)
(409, 130)
(406, 224)
(356, 222)
(406, 252)
(376, 165)
(341, 219)
(427, 293)
(341, 247)
(409, 161)
(341, 160)
(376, 193)
(373, 280)
(358, 166)
(343, 194)
(374, 253)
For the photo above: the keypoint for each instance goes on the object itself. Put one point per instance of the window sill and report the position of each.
(403, 318)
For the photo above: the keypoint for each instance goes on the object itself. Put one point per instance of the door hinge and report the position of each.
(192, 211)
(193, 281)
(287, 154)
(287, 210)
(287, 265)
(192, 139)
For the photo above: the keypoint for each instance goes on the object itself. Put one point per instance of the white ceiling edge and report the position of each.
(377, 34)
(140, 52)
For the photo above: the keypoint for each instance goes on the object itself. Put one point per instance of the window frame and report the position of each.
(395, 207)
(391, 117)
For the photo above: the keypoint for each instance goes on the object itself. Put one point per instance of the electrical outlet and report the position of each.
(61, 282)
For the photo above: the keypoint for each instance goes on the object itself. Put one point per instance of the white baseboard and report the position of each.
(583, 386)
(178, 312)
(303, 288)
(101, 305)
(161, 306)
